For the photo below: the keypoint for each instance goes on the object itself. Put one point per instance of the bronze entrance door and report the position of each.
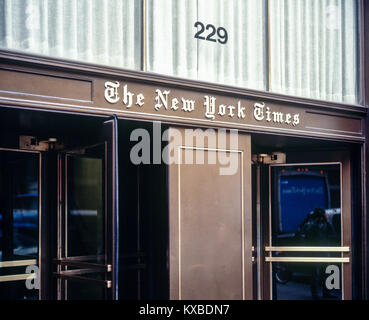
(210, 251)
(307, 228)
(87, 226)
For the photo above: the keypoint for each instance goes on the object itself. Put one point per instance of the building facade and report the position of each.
(184, 149)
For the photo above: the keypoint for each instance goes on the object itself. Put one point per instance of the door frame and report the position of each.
(108, 139)
(342, 158)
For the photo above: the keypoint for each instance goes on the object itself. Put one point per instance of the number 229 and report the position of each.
(221, 32)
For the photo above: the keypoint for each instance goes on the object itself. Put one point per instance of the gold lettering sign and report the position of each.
(210, 107)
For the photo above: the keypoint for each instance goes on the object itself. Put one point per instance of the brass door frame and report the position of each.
(333, 158)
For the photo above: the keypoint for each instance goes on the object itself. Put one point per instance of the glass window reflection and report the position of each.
(85, 206)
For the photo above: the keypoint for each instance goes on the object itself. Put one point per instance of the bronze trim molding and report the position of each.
(40, 83)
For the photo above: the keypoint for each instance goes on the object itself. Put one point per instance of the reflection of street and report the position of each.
(299, 288)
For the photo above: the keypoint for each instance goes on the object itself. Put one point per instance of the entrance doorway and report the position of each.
(304, 226)
(59, 206)
(177, 229)
(87, 224)
(87, 243)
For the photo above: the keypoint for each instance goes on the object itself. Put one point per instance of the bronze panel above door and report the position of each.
(209, 220)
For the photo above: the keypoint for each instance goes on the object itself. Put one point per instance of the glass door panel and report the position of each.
(85, 204)
(82, 254)
(19, 224)
(298, 191)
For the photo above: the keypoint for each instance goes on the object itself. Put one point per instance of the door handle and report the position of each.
(104, 283)
(308, 249)
(83, 264)
(308, 259)
(17, 263)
